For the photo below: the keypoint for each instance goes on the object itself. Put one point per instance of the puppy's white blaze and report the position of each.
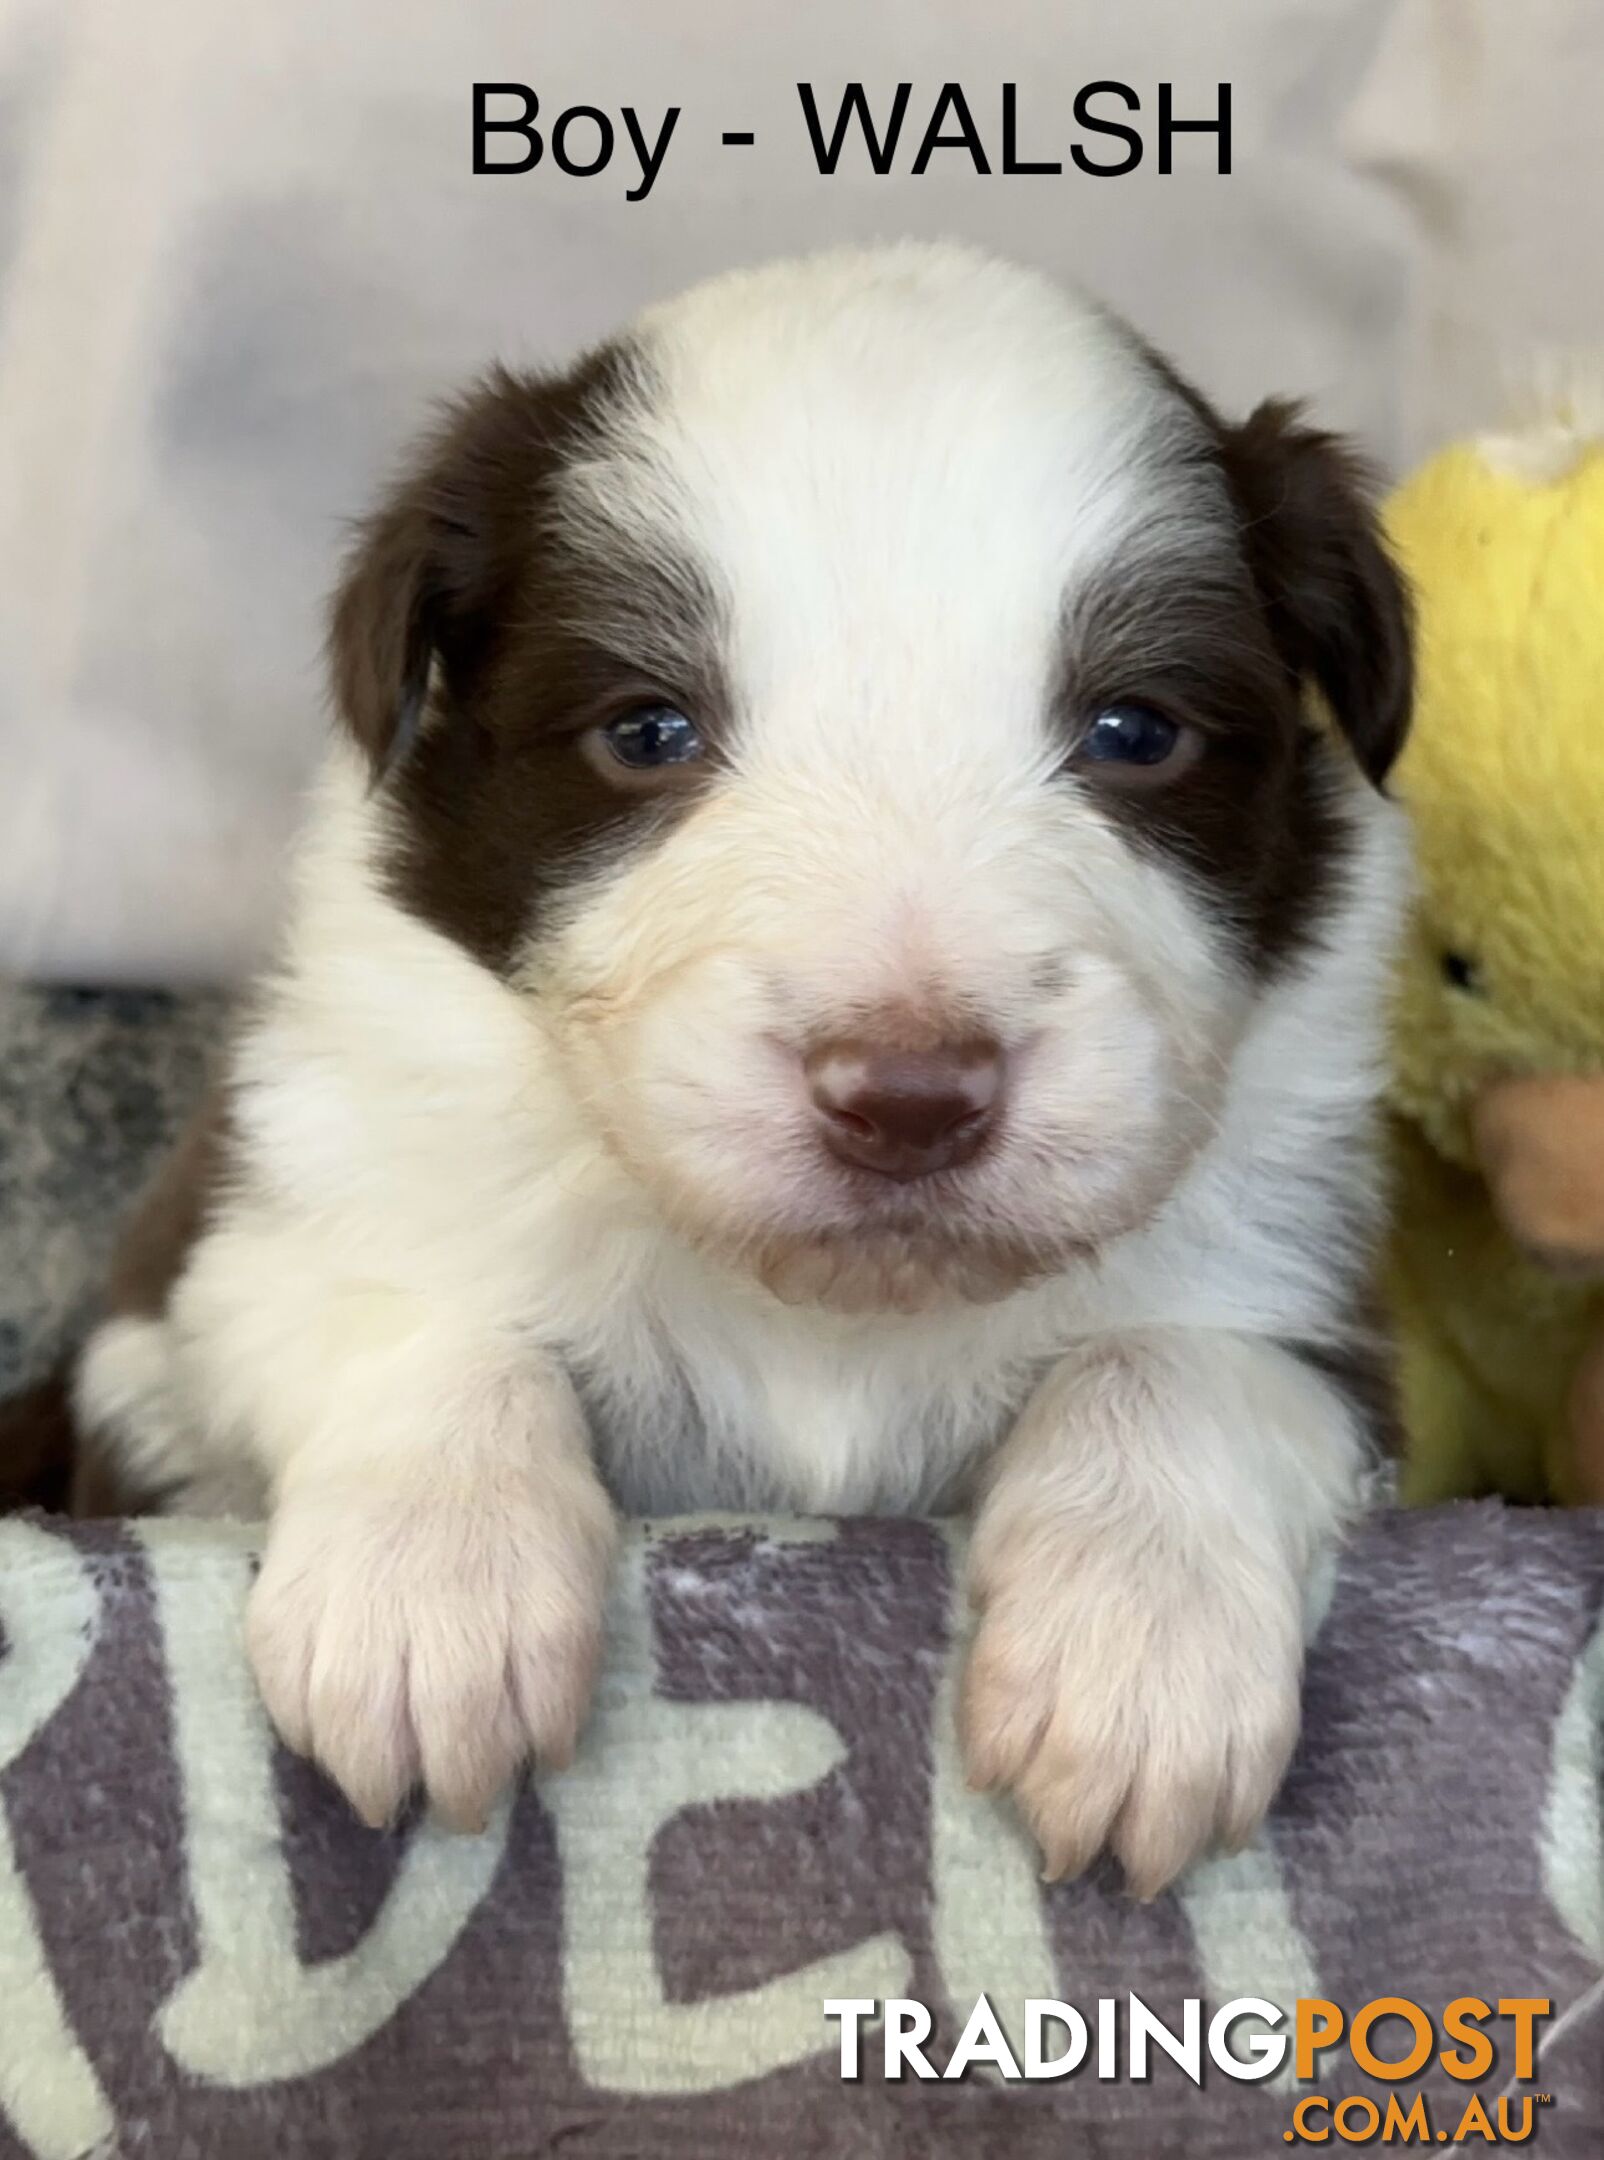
(947, 442)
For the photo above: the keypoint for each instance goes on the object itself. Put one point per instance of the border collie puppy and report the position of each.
(835, 964)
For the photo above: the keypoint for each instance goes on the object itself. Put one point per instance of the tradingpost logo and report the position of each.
(1472, 2041)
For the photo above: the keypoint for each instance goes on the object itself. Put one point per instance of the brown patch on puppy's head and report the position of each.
(1298, 594)
(479, 629)
(1335, 601)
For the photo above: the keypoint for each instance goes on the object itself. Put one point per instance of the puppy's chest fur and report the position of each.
(695, 1403)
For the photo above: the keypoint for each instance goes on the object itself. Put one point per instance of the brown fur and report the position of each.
(170, 1215)
(46, 1462)
(468, 621)
(45, 1459)
(1232, 646)
(37, 1448)
(464, 608)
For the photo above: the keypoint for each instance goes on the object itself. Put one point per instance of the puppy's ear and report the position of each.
(1336, 603)
(422, 585)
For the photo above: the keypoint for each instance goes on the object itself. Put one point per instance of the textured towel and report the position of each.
(93, 1085)
(202, 1953)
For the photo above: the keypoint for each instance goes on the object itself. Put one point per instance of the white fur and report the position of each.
(459, 1199)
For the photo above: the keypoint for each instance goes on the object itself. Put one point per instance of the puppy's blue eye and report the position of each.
(652, 736)
(1130, 735)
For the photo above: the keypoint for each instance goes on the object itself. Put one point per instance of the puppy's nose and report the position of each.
(905, 1113)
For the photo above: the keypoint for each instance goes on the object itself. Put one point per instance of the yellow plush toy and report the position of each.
(1497, 1266)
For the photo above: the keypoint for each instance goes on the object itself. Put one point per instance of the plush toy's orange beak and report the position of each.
(1540, 1142)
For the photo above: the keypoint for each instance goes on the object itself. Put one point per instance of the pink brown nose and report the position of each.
(905, 1113)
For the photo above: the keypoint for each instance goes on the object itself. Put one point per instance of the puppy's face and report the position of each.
(865, 711)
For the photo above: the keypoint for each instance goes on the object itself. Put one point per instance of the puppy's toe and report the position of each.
(1069, 1815)
(280, 1639)
(1260, 1747)
(1167, 1822)
(553, 1677)
(467, 1767)
(374, 1762)
(1003, 1710)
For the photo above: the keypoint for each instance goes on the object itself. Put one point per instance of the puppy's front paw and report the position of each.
(404, 1636)
(1129, 1702)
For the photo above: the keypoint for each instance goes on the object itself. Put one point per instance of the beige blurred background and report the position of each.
(240, 248)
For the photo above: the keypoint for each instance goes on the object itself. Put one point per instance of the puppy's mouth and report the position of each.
(852, 1240)
(867, 1243)
(902, 1271)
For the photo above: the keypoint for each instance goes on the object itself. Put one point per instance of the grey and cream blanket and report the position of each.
(202, 1953)
(204, 1957)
